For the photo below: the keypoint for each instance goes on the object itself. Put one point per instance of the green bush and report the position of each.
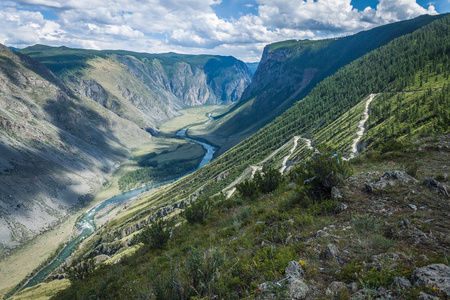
(197, 211)
(324, 170)
(412, 168)
(81, 270)
(364, 224)
(156, 235)
(267, 181)
(247, 189)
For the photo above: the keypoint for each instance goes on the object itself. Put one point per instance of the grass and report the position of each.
(190, 117)
(42, 290)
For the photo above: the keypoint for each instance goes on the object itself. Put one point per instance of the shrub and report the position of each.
(364, 224)
(324, 170)
(268, 181)
(156, 235)
(81, 270)
(197, 211)
(412, 168)
(247, 189)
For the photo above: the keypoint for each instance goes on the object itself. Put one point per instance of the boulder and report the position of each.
(340, 208)
(294, 270)
(389, 179)
(298, 289)
(335, 288)
(434, 276)
(434, 185)
(336, 194)
(331, 252)
(400, 284)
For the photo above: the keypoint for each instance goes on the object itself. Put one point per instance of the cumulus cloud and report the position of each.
(190, 26)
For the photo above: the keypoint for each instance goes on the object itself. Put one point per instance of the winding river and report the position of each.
(87, 226)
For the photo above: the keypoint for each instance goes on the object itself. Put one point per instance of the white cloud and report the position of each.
(23, 28)
(391, 11)
(189, 26)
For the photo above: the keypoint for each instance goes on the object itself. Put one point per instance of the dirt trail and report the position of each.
(251, 170)
(361, 126)
(285, 159)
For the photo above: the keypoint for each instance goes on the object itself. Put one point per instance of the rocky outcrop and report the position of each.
(434, 185)
(389, 179)
(293, 285)
(435, 276)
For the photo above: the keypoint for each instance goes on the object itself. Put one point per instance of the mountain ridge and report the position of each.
(146, 88)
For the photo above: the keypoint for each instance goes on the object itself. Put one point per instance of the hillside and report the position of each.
(146, 88)
(294, 235)
(288, 71)
(56, 148)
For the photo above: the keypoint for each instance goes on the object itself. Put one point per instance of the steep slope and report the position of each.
(55, 148)
(388, 220)
(146, 88)
(341, 99)
(287, 73)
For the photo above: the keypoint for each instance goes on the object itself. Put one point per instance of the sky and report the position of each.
(240, 28)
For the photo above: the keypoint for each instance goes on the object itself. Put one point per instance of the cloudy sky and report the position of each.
(227, 27)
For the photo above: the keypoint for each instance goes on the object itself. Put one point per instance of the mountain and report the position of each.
(288, 71)
(319, 230)
(56, 148)
(146, 88)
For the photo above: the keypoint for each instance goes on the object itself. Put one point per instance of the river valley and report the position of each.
(86, 225)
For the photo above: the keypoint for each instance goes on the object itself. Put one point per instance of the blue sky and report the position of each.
(226, 27)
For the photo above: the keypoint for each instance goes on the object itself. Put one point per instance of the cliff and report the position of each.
(146, 88)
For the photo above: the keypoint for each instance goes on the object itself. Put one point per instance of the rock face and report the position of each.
(55, 147)
(147, 88)
(433, 276)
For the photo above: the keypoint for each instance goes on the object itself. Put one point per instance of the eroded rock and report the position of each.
(435, 186)
(434, 276)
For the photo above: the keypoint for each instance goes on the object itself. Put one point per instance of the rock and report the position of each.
(434, 185)
(335, 288)
(340, 208)
(331, 252)
(435, 276)
(298, 289)
(294, 270)
(400, 283)
(353, 287)
(413, 207)
(336, 194)
(321, 234)
(425, 296)
(389, 179)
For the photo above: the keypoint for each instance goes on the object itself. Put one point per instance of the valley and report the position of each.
(324, 178)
